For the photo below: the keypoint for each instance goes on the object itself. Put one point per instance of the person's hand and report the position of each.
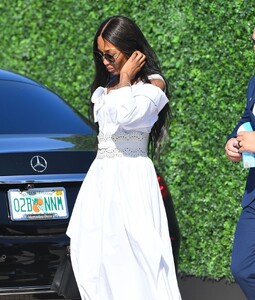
(232, 150)
(132, 66)
(246, 141)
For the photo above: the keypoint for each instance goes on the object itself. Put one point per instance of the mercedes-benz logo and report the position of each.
(38, 163)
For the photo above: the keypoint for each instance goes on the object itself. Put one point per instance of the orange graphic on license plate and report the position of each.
(36, 204)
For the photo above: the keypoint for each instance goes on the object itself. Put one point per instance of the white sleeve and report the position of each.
(139, 109)
(98, 100)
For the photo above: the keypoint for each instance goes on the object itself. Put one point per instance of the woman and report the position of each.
(120, 245)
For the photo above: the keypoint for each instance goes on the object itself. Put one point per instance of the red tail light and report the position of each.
(163, 187)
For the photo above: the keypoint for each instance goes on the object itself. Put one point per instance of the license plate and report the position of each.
(38, 204)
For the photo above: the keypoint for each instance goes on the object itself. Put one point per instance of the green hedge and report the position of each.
(205, 52)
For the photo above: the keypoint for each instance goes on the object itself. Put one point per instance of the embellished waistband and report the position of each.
(130, 144)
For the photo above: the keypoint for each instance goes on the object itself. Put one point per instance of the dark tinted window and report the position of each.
(27, 108)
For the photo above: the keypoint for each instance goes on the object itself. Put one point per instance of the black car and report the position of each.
(46, 149)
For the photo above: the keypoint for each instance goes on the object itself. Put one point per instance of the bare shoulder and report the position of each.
(159, 83)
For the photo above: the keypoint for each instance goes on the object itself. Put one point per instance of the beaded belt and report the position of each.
(130, 144)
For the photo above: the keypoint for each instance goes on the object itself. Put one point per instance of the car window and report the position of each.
(28, 109)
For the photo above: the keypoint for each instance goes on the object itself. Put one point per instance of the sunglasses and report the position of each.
(253, 41)
(109, 57)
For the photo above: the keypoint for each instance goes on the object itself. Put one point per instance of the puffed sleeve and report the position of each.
(139, 108)
(98, 100)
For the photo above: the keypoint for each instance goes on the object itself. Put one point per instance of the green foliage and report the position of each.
(212, 63)
(206, 54)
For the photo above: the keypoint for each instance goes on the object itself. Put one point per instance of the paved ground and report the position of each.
(193, 288)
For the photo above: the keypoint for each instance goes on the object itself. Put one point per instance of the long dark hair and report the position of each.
(125, 35)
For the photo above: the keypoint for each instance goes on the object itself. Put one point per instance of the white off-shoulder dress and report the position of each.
(120, 245)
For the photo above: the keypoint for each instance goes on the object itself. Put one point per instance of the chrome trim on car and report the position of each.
(26, 290)
(19, 179)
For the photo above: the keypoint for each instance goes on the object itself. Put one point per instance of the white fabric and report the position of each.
(131, 144)
(120, 245)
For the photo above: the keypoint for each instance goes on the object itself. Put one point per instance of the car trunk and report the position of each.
(31, 244)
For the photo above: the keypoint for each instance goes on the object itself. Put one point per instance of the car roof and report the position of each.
(12, 76)
(28, 107)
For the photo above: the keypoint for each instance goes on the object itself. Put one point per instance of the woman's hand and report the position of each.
(246, 141)
(132, 66)
(232, 150)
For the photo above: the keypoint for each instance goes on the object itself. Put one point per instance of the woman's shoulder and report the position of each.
(158, 80)
(156, 76)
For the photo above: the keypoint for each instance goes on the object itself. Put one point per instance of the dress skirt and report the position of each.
(120, 244)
